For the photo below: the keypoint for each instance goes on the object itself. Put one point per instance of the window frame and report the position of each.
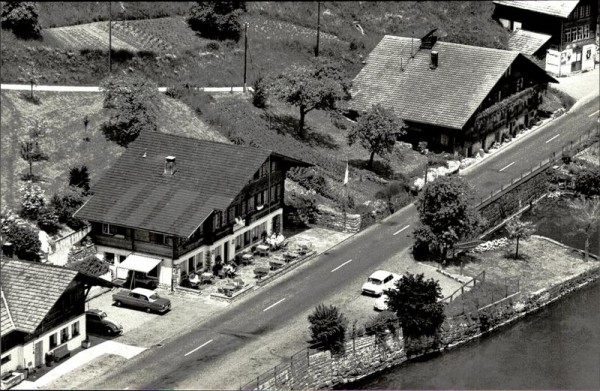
(64, 335)
(53, 340)
(75, 328)
(5, 359)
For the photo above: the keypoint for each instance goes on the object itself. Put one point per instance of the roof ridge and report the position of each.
(207, 141)
(37, 264)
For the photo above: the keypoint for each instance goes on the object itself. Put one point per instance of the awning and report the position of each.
(139, 263)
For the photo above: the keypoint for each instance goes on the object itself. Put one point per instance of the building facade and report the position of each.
(178, 204)
(42, 310)
(572, 27)
(459, 98)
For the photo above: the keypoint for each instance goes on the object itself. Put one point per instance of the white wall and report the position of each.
(16, 359)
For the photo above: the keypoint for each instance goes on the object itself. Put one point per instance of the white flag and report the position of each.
(346, 174)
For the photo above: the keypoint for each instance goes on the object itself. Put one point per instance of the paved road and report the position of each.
(27, 87)
(207, 356)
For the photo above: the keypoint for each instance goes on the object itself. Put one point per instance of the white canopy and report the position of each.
(140, 263)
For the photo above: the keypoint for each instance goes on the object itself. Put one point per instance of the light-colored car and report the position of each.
(142, 298)
(379, 281)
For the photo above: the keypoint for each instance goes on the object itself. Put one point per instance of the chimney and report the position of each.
(170, 165)
(8, 249)
(434, 59)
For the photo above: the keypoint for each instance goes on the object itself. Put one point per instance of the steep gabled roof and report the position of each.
(31, 289)
(527, 42)
(446, 96)
(555, 8)
(135, 193)
(6, 323)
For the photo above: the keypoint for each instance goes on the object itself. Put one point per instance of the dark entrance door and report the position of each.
(226, 251)
(39, 346)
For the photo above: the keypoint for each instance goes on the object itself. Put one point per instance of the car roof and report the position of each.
(143, 291)
(380, 274)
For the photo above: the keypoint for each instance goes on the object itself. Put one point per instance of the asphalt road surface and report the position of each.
(187, 361)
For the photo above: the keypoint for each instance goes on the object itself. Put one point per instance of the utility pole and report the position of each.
(245, 52)
(109, 36)
(318, 28)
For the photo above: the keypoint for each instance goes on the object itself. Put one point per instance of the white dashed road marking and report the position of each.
(397, 232)
(201, 346)
(502, 169)
(273, 305)
(341, 265)
(552, 138)
(594, 113)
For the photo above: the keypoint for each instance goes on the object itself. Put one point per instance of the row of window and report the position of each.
(581, 12)
(247, 206)
(264, 170)
(576, 33)
(141, 235)
(64, 335)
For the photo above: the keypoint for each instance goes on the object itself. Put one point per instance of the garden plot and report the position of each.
(87, 36)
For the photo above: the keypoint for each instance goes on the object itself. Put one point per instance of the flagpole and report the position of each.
(346, 175)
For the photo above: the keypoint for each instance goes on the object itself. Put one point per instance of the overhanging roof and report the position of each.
(140, 263)
(555, 8)
(527, 42)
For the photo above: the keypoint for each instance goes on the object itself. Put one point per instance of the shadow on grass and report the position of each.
(287, 124)
(26, 96)
(381, 168)
(510, 254)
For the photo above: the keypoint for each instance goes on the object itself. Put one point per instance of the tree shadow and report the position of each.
(381, 168)
(288, 125)
(510, 254)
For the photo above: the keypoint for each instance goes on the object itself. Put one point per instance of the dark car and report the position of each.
(142, 298)
(97, 321)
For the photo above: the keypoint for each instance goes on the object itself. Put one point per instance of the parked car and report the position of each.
(97, 321)
(11, 379)
(379, 281)
(142, 298)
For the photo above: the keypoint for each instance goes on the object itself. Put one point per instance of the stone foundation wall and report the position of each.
(329, 218)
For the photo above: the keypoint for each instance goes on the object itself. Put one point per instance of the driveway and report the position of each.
(579, 85)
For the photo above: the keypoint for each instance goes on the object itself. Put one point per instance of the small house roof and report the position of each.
(527, 42)
(555, 8)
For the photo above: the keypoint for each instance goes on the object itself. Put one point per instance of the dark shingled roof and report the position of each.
(527, 42)
(6, 323)
(135, 193)
(31, 290)
(554, 8)
(447, 96)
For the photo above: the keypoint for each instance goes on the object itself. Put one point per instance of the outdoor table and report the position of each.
(275, 264)
(261, 271)
(247, 259)
(228, 288)
(288, 256)
(262, 249)
(206, 277)
(195, 281)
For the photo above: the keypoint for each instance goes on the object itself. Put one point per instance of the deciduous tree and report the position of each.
(447, 213)
(22, 18)
(586, 213)
(415, 302)
(518, 230)
(328, 327)
(376, 131)
(319, 86)
(133, 104)
(217, 19)
(31, 151)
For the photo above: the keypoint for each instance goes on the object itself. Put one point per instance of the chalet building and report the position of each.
(458, 98)
(171, 204)
(42, 310)
(565, 32)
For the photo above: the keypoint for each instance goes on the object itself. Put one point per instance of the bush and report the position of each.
(260, 96)
(32, 201)
(380, 324)
(309, 178)
(25, 241)
(22, 18)
(48, 222)
(328, 327)
(194, 99)
(79, 177)
(217, 19)
(587, 181)
(65, 204)
(213, 46)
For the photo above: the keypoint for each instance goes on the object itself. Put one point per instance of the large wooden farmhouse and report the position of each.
(458, 98)
(171, 203)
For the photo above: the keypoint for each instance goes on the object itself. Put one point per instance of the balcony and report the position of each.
(116, 241)
(239, 224)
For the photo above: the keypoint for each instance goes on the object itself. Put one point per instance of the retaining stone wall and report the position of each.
(329, 218)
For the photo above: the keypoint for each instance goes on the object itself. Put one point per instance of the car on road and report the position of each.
(97, 321)
(142, 298)
(379, 281)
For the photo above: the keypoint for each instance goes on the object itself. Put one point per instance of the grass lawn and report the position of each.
(541, 264)
(63, 113)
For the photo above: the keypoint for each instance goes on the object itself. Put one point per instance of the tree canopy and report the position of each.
(21, 17)
(586, 213)
(518, 229)
(415, 302)
(217, 19)
(376, 131)
(31, 151)
(447, 213)
(133, 104)
(318, 86)
(328, 327)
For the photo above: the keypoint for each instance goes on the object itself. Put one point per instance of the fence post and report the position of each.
(275, 375)
(308, 357)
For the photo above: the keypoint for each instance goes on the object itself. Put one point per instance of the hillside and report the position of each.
(65, 141)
